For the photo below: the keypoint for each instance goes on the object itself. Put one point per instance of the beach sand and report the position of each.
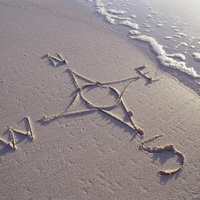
(88, 155)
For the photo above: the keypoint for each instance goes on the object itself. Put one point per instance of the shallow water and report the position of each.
(167, 31)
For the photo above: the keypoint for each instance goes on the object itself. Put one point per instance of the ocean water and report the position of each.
(166, 31)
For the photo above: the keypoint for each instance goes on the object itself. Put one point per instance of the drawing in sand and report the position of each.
(80, 96)
(12, 132)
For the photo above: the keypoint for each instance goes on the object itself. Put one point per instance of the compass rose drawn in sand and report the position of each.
(86, 86)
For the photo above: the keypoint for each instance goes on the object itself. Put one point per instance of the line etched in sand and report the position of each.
(30, 132)
(119, 101)
(54, 59)
(12, 131)
(12, 143)
(144, 75)
(168, 147)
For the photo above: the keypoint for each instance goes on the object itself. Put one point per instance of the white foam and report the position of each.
(134, 32)
(198, 82)
(154, 12)
(183, 44)
(109, 17)
(159, 25)
(168, 37)
(130, 24)
(147, 25)
(173, 27)
(176, 55)
(170, 62)
(101, 10)
(117, 12)
(196, 56)
(179, 35)
(167, 59)
(133, 16)
(158, 49)
(182, 34)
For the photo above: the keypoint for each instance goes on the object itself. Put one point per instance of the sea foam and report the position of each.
(152, 24)
(196, 56)
(167, 59)
(130, 24)
(110, 15)
(116, 12)
(134, 32)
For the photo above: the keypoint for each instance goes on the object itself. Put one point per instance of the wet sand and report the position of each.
(88, 155)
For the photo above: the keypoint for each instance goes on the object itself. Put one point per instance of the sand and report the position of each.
(88, 155)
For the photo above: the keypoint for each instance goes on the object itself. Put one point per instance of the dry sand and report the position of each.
(91, 155)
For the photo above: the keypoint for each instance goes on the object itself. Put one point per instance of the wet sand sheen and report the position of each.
(93, 155)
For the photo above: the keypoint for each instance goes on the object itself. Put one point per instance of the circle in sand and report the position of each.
(100, 96)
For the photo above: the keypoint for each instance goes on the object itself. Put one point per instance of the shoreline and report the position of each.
(120, 21)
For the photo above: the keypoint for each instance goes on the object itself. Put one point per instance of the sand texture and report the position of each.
(82, 119)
